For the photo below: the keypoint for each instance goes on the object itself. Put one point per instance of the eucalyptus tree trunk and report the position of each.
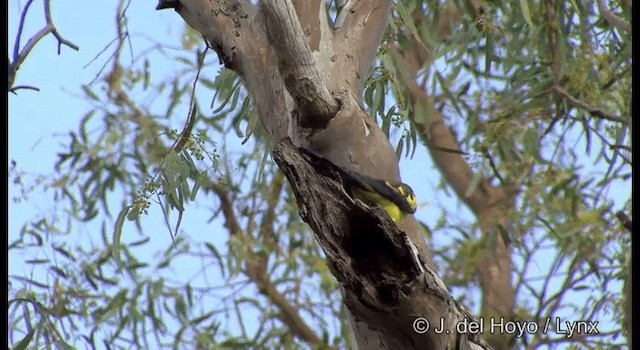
(306, 78)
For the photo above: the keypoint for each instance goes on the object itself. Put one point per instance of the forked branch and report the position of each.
(388, 284)
(297, 65)
(19, 55)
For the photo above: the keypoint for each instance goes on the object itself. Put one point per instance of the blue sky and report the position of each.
(39, 121)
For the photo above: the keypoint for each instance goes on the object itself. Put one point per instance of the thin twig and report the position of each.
(105, 63)
(121, 35)
(623, 147)
(115, 56)
(607, 143)
(26, 87)
(126, 26)
(594, 111)
(493, 166)
(100, 53)
(191, 119)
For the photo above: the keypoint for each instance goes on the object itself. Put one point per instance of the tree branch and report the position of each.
(612, 19)
(297, 65)
(25, 87)
(54, 31)
(359, 28)
(23, 16)
(388, 282)
(592, 110)
(19, 55)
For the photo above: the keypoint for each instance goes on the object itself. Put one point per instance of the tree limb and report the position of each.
(54, 30)
(23, 16)
(592, 110)
(297, 65)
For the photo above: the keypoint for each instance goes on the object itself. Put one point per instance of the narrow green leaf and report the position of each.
(223, 81)
(197, 183)
(368, 95)
(526, 13)
(36, 261)
(378, 95)
(227, 92)
(22, 344)
(60, 272)
(197, 320)
(386, 121)
(31, 281)
(399, 147)
(235, 96)
(488, 53)
(217, 255)
(140, 242)
(413, 134)
(263, 163)
(180, 214)
(83, 125)
(90, 93)
(531, 145)
(405, 15)
(208, 83)
(117, 235)
(147, 74)
(134, 214)
(504, 234)
(250, 126)
(64, 252)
